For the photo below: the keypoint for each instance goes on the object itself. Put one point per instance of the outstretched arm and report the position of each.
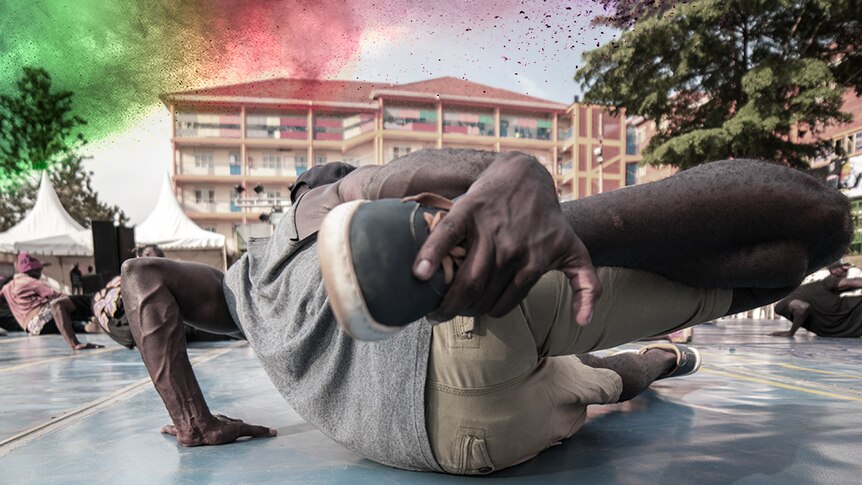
(800, 311)
(62, 309)
(158, 293)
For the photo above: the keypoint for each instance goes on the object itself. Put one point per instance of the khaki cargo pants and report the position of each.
(501, 390)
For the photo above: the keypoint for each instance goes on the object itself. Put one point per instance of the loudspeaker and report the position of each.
(91, 283)
(125, 243)
(105, 249)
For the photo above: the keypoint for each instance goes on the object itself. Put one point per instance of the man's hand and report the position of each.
(785, 333)
(511, 224)
(217, 430)
(87, 346)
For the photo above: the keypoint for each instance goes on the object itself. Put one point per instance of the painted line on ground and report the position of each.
(54, 424)
(79, 353)
(782, 385)
(818, 371)
(12, 339)
(790, 380)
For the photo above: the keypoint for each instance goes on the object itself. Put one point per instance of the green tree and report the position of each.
(731, 78)
(73, 184)
(37, 128)
(623, 14)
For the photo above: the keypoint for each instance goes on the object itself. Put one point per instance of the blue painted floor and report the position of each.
(762, 410)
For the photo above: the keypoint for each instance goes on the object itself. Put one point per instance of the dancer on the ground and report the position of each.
(820, 307)
(498, 384)
(40, 309)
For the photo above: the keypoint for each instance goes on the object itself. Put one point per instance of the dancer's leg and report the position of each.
(756, 227)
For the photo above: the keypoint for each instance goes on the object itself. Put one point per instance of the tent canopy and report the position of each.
(170, 228)
(46, 219)
(167, 225)
(73, 244)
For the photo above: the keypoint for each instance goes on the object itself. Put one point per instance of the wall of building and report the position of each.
(217, 149)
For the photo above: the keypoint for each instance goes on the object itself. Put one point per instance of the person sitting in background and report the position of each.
(111, 314)
(7, 320)
(40, 309)
(820, 308)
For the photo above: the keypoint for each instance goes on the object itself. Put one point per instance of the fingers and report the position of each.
(517, 291)
(88, 346)
(256, 431)
(586, 291)
(448, 233)
(470, 284)
(586, 287)
(228, 419)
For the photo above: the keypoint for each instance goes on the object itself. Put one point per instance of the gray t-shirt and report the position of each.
(368, 396)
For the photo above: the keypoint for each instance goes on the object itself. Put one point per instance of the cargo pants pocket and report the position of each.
(473, 458)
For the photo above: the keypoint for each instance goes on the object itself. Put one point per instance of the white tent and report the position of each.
(47, 218)
(170, 228)
(167, 225)
(78, 243)
(180, 238)
(48, 221)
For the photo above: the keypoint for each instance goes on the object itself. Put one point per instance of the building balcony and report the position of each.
(210, 207)
(182, 178)
(214, 141)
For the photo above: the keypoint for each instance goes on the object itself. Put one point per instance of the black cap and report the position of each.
(320, 175)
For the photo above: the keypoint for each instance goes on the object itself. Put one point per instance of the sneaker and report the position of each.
(366, 251)
(687, 359)
(3, 332)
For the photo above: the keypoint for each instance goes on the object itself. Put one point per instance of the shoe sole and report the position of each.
(339, 277)
(698, 360)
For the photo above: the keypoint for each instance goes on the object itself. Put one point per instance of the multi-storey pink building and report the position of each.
(264, 134)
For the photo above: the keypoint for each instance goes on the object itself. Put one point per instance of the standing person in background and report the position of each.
(76, 281)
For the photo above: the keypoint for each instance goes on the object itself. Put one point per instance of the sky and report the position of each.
(118, 57)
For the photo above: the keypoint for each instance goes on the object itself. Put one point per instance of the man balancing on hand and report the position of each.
(507, 269)
(820, 308)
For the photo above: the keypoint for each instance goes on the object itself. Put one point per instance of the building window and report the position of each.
(271, 161)
(234, 162)
(319, 160)
(209, 228)
(530, 128)
(285, 126)
(398, 152)
(204, 160)
(631, 140)
(410, 119)
(212, 125)
(468, 123)
(301, 164)
(631, 173)
(342, 126)
(204, 196)
(564, 128)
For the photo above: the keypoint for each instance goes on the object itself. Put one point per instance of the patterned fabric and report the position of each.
(108, 304)
(37, 322)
